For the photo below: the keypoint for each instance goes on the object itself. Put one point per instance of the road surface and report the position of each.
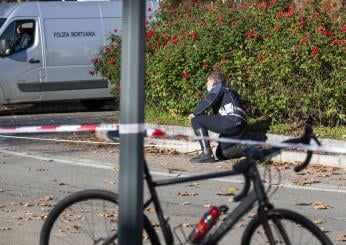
(32, 170)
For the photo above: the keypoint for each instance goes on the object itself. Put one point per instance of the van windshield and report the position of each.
(2, 21)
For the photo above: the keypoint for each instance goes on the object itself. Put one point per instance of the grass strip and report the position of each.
(259, 125)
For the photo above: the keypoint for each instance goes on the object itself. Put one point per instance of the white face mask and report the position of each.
(209, 87)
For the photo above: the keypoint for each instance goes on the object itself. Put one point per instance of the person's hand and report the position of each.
(191, 116)
(214, 144)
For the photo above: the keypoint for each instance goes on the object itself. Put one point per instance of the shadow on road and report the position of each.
(54, 107)
(57, 113)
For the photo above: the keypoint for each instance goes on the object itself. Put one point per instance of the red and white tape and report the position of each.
(122, 128)
(155, 133)
(59, 128)
(326, 149)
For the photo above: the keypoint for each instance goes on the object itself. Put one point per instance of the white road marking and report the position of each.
(105, 165)
(87, 163)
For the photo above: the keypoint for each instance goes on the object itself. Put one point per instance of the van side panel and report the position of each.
(24, 9)
(71, 44)
(112, 21)
(64, 10)
(111, 9)
(111, 26)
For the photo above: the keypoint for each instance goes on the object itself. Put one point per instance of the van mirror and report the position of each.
(5, 49)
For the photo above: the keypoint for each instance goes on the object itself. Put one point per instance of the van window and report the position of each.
(20, 35)
(2, 21)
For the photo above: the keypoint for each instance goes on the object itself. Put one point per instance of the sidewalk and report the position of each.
(333, 160)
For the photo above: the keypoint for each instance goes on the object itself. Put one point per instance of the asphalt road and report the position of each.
(31, 170)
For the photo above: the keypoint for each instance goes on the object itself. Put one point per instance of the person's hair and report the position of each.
(19, 28)
(217, 76)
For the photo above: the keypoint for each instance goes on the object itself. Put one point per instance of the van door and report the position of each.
(22, 69)
(71, 44)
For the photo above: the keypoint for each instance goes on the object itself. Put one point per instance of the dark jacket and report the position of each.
(224, 101)
(23, 42)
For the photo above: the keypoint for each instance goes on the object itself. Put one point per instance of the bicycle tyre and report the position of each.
(79, 197)
(298, 220)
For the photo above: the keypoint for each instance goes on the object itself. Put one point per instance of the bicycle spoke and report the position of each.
(88, 224)
(67, 241)
(105, 220)
(282, 231)
(289, 229)
(88, 220)
(92, 220)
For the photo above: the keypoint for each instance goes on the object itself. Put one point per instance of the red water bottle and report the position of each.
(206, 223)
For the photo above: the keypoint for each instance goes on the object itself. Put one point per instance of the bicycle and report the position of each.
(269, 223)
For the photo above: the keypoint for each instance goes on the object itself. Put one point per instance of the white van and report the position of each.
(47, 48)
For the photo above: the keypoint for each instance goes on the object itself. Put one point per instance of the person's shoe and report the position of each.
(203, 158)
(207, 153)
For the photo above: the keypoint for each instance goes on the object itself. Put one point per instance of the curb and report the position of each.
(183, 146)
(335, 160)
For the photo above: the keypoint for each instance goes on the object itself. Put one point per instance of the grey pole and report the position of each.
(132, 123)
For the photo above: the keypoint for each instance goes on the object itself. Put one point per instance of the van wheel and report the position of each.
(93, 104)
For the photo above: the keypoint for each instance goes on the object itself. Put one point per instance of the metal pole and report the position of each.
(132, 123)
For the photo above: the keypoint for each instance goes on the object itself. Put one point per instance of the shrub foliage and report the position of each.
(285, 63)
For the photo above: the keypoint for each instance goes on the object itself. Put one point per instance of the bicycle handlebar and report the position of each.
(245, 190)
(260, 154)
(305, 139)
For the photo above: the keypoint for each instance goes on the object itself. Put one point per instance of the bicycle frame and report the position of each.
(258, 193)
(271, 220)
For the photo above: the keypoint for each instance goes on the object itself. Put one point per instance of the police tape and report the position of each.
(316, 148)
(159, 133)
(124, 128)
(59, 128)
(88, 142)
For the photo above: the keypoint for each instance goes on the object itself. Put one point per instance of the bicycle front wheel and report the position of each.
(286, 227)
(87, 217)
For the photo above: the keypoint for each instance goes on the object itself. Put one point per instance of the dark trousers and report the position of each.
(226, 126)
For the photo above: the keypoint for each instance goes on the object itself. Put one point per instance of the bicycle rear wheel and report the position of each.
(87, 217)
(287, 227)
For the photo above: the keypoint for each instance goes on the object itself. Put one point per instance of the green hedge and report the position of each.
(285, 63)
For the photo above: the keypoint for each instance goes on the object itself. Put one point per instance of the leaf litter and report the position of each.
(193, 185)
(151, 210)
(302, 203)
(318, 221)
(321, 205)
(341, 238)
(5, 228)
(305, 181)
(185, 194)
(174, 170)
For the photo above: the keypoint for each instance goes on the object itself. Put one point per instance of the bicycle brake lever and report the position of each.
(316, 140)
(308, 135)
(245, 190)
(305, 163)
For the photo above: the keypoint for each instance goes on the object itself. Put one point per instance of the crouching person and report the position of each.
(228, 120)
